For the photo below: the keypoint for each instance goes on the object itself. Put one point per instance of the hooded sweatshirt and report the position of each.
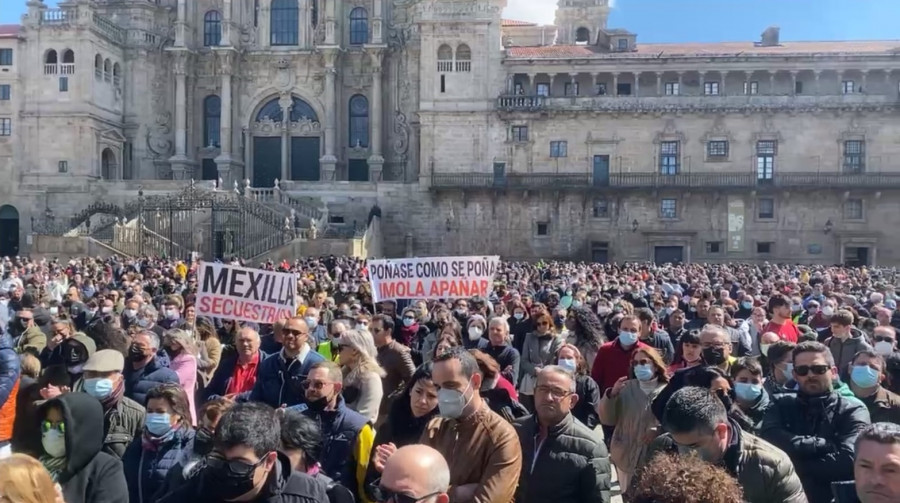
(90, 475)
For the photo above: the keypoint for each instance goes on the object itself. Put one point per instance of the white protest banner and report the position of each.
(432, 278)
(240, 293)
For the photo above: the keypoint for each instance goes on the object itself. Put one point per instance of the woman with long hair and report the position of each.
(585, 333)
(448, 338)
(210, 349)
(24, 480)
(585, 410)
(406, 421)
(362, 374)
(540, 349)
(165, 441)
(627, 407)
(179, 345)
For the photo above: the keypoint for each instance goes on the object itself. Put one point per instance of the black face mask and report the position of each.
(317, 405)
(714, 356)
(135, 354)
(229, 480)
(203, 442)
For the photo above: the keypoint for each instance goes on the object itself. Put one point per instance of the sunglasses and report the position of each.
(382, 494)
(818, 370)
(316, 385)
(235, 467)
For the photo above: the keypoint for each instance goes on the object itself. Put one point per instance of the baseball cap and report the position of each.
(105, 360)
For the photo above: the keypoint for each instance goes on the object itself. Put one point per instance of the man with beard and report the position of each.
(816, 427)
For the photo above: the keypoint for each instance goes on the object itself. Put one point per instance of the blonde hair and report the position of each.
(183, 338)
(367, 361)
(31, 365)
(24, 480)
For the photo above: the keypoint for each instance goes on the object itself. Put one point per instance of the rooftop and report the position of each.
(709, 49)
(512, 22)
(10, 30)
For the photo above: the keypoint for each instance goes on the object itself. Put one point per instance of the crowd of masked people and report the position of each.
(569, 383)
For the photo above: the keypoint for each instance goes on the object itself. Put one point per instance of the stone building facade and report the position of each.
(469, 132)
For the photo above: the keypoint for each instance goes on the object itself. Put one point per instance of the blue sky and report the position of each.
(706, 20)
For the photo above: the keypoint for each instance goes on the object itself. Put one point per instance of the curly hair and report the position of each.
(109, 336)
(588, 328)
(684, 479)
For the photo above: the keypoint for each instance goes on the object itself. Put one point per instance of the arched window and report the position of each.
(108, 165)
(51, 58)
(285, 21)
(463, 58)
(582, 35)
(359, 121)
(212, 121)
(299, 110)
(117, 75)
(445, 59)
(359, 26)
(212, 28)
(98, 66)
(107, 70)
(68, 56)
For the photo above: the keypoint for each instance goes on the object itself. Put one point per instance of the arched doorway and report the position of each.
(285, 146)
(108, 165)
(9, 231)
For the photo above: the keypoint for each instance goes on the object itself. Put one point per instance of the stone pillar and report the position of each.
(818, 86)
(659, 84)
(615, 89)
(377, 15)
(225, 162)
(793, 82)
(248, 151)
(265, 23)
(330, 35)
(376, 160)
(180, 162)
(865, 75)
(285, 102)
(702, 83)
(226, 24)
(637, 84)
(181, 23)
(328, 162)
(680, 81)
(572, 84)
(772, 83)
(303, 24)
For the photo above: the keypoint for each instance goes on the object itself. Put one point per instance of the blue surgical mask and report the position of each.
(518, 316)
(311, 322)
(789, 370)
(576, 304)
(628, 338)
(746, 305)
(747, 392)
(408, 322)
(644, 372)
(158, 424)
(864, 376)
(568, 364)
(98, 388)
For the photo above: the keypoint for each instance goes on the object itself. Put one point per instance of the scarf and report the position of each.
(109, 403)
(406, 335)
(152, 444)
(53, 465)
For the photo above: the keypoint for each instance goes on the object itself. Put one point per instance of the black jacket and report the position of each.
(818, 434)
(588, 399)
(90, 475)
(284, 486)
(572, 464)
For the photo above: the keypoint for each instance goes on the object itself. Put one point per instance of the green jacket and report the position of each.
(325, 349)
(33, 340)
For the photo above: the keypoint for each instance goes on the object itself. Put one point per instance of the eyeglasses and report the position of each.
(382, 494)
(236, 467)
(557, 393)
(818, 370)
(316, 385)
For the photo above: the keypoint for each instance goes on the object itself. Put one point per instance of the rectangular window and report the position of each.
(520, 133)
(543, 89)
(713, 247)
(765, 208)
(711, 88)
(853, 209)
(64, 84)
(5, 92)
(571, 89)
(62, 166)
(765, 247)
(668, 208)
(847, 87)
(518, 88)
(765, 159)
(751, 87)
(798, 87)
(717, 149)
(624, 89)
(543, 229)
(6, 57)
(600, 89)
(854, 156)
(5, 126)
(559, 149)
(443, 83)
(673, 89)
(668, 158)
(623, 44)
(601, 208)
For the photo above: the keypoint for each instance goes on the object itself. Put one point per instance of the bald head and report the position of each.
(418, 471)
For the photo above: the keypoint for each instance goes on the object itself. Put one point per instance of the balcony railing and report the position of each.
(67, 68)
(711, 181)
(519, 102)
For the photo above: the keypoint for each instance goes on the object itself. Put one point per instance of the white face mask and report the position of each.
(764, 349)
(884, 348)
(828, 310)
(54, 442)
(475, 333)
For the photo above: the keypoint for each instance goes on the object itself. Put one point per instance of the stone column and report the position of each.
(865, 75)
(793, 82)
(303, 24)
(180, 162)
(615, 89)
(225, 162)
(181, 23)
(680, 82)
(377, 15)
(248, 151)
(328, 162)
(772, 83)
(818, 73)
(330, 35)
(286, 101)
(659, 84)
(226, 24)
(376, 160)
(572, 83)
(264, 37)
(637, 84)
(702, 83)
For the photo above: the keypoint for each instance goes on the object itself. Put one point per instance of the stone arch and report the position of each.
(108, 165)
(9, 231)
(264, 96)
(582, 35)
(68, 56)
(445, 53)
(51, 57)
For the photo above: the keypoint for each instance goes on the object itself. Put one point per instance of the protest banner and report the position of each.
(432, 278)
(240, 293)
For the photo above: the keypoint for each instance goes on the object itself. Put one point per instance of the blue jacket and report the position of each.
(278, 381)
(139, 382)
(9, 368)
(145, 470)
(222, 377)
(340, 428)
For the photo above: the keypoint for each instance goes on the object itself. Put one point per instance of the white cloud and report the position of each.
(536, 11)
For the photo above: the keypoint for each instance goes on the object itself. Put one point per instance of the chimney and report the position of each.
(770, 37)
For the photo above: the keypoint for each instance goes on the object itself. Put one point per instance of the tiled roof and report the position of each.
(708, 49)
(10, 30)
(511, 22)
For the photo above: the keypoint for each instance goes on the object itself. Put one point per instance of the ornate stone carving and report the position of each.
(669, 133)
(305, 126)
(248, 35)
(284, 76)
(227, 60)
(401, 134)
(268, 127)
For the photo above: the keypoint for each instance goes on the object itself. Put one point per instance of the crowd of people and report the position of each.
(571, 382)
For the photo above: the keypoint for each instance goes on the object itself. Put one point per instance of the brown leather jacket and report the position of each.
(481, 449)
(396, 360)
(884, 406)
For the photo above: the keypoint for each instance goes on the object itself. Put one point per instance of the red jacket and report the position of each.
(503, 383)
(611, 363)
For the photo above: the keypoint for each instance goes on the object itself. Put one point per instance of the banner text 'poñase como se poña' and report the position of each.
(233, 292)
(432, 278)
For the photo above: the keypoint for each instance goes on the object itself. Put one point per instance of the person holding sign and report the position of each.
(280, 376)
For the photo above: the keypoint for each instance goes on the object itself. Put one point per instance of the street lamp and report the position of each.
(828, 227)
